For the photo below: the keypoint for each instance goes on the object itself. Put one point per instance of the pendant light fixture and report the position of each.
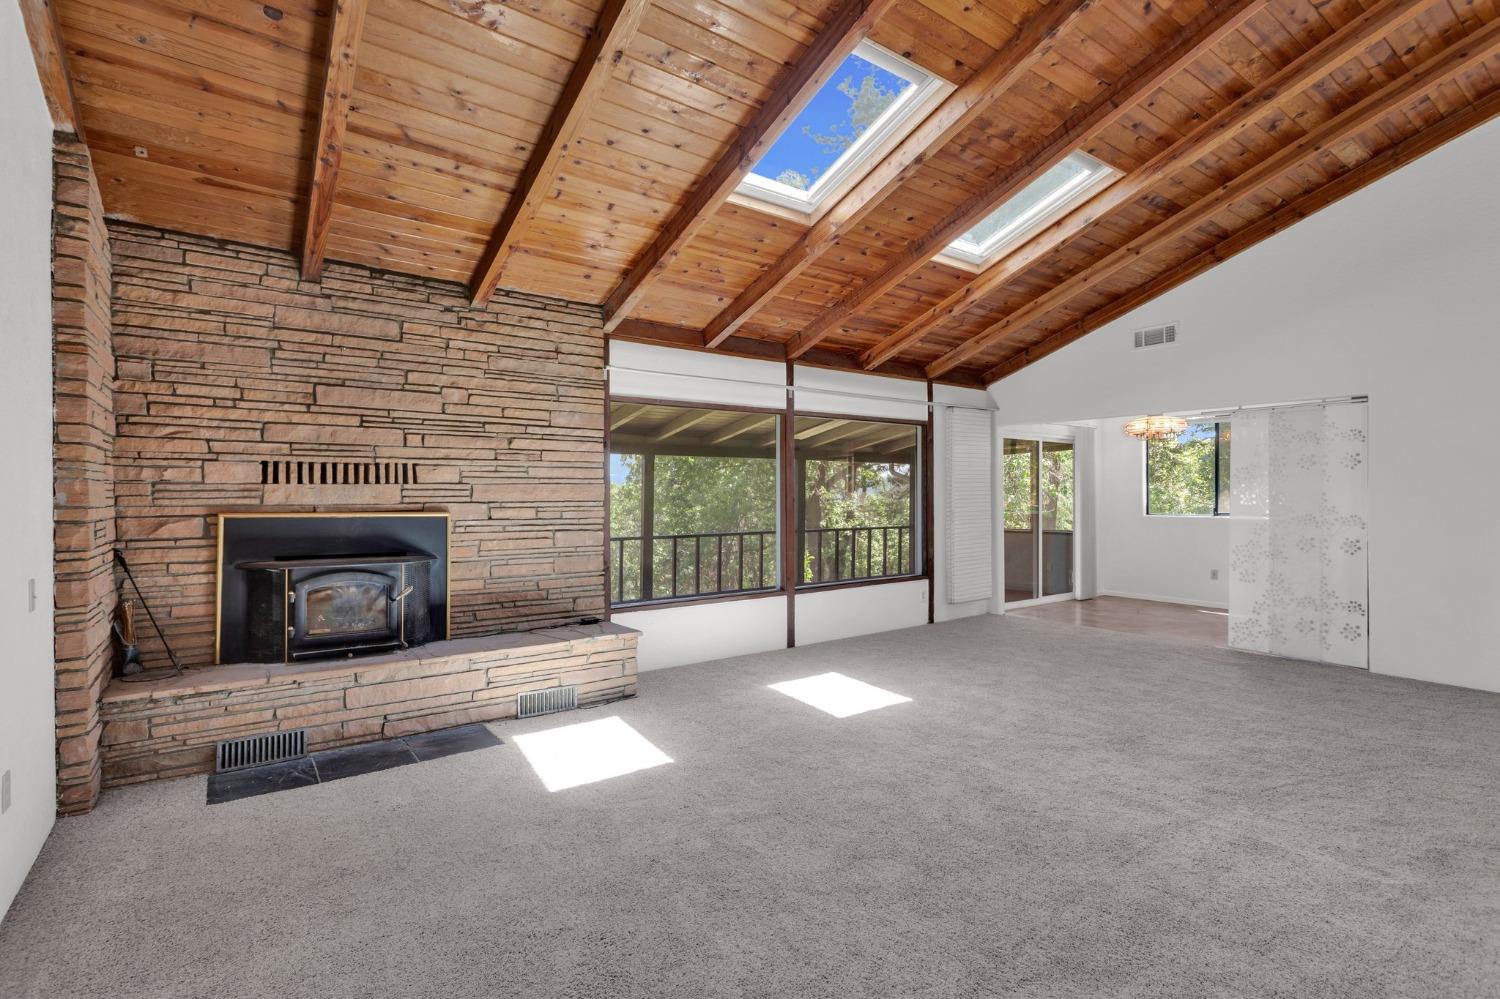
(1156, 428)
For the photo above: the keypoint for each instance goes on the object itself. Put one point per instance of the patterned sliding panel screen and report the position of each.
(969, 535)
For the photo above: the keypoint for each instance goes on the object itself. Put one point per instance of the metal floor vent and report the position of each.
(255, 750)
(544, 702)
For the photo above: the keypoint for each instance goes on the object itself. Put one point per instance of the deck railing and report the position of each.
(711, 564)
(692, 565)
(837, 554)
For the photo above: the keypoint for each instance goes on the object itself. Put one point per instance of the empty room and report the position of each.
(788, 499)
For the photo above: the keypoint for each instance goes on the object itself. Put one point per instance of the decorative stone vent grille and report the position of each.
(337, 473)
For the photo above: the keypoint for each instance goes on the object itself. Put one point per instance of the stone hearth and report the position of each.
(168, 728)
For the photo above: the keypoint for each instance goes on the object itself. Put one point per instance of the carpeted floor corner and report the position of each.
(1058, 812)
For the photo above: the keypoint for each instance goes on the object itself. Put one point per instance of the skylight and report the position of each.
(1037, 203)
(868, 99)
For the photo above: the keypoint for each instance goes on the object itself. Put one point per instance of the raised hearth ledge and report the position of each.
(168, 727)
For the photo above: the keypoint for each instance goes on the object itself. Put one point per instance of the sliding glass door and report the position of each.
(1038, 519)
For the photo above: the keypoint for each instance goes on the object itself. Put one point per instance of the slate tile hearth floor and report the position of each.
(347, 761)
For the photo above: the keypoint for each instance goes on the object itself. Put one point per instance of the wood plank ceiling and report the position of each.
(589, 149)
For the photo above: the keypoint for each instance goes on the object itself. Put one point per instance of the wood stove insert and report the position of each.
(308, 586)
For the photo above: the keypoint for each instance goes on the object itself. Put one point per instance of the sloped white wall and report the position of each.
(1392, 293)
(26, 416)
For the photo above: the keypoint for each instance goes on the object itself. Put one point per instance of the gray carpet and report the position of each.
(1059, 812)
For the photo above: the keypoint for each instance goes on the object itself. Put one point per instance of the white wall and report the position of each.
(26, 416)
(1157, 557)
(1392, 293)
(719, 629)
(677, 635)
(824, 615)
(1086, 447)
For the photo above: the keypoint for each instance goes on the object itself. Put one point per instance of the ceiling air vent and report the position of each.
(1156, 336)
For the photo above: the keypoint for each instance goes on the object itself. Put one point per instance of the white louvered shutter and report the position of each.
(970, 539)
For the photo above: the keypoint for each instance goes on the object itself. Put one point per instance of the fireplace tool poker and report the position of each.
(144, 674)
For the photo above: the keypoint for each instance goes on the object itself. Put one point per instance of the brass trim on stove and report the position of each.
(252, 514)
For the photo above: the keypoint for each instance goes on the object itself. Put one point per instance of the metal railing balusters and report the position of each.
(849, 559)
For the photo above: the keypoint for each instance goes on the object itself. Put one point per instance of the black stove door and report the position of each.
(344, 609)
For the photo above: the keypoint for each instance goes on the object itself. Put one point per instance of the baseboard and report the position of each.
(1158, 598)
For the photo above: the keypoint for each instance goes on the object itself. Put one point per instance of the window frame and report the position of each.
(900, 118)
(788, 507)
(920, 504)
(688, 599)
(1058, 203)
(1218, 465)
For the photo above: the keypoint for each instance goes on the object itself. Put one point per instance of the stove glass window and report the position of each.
(346, 609)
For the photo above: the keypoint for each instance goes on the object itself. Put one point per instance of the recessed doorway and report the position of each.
(1039, 519)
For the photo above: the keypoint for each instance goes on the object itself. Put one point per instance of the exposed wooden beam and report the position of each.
(845, 29)
(882, 437)
(667, 335)
(1190, 42)
(1033, 43)
(856, 430)
(1453, 60)
(842, 361)
(741, 426)
(1471, 116)
(51, 65)
(685, 421)
(333, 120)
(818, 430)
(617, 24)
(1230, 122)
(622, 414)
(892, 447)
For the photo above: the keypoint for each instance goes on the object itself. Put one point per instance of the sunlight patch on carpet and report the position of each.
(839, 695)
(588, 752)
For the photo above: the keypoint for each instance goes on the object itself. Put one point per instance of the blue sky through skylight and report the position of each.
(831, 122)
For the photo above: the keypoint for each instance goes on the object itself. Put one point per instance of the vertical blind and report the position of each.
(969, 523)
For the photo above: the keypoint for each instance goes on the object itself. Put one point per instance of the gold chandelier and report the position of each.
(1156, 428)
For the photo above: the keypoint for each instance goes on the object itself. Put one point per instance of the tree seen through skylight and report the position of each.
(831, 123)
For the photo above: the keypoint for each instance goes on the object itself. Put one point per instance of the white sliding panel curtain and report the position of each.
(968, 516)
(1299, 566)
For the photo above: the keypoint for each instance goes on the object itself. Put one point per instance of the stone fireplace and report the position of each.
(204, 384)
